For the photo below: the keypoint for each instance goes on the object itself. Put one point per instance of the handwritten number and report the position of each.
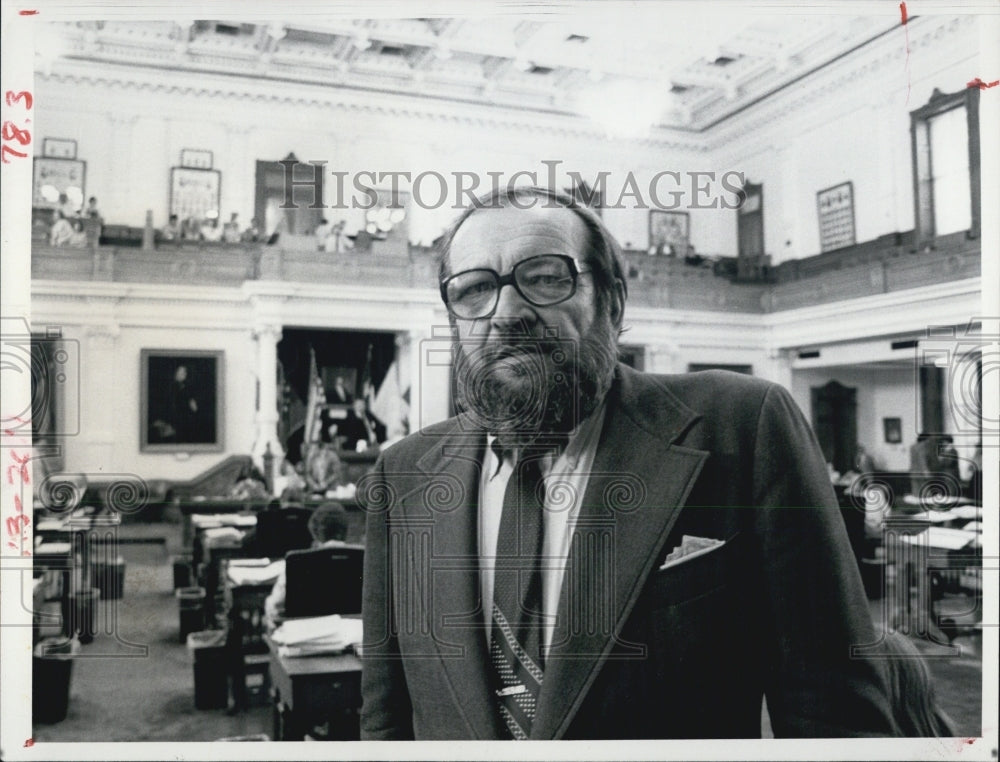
(24, 95)
(12, 132)
(6, 150)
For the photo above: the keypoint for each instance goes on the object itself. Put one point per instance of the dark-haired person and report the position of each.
(589, 552)
(328, 527)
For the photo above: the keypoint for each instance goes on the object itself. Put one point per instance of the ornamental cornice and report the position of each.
(923, 32)
(381, 104)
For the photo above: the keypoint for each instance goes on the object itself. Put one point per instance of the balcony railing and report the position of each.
(877, 267)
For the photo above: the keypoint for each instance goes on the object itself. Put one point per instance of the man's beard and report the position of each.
(523, 388)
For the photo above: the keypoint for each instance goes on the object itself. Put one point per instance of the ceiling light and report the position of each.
(522, 64)
(361, 43)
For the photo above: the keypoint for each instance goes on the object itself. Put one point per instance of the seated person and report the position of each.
(250, 485)
(323, 470)
(321, 233)
(289, 480)
(78, 238)
(357, 427)
(231, 230)
(210, 230)
(68, 208)
(172, 230)
(328, 527)
(62, 231)
(92, 212)
(252, 233)
(191, 229)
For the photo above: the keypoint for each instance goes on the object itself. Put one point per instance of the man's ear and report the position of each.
(617, 303)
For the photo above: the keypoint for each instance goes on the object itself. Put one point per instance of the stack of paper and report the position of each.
(205, 520)
(223, 537)
(342, 492)
(934, 517)
(967, 512)
(53, 548)
(940, 537)
(316, 635)
(239, 574)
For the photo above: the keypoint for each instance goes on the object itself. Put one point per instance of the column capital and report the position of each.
(267, 331)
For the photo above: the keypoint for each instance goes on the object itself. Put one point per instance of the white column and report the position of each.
(238, 180)
(430, 375)
(99, 382)
(121, 127)
(778, 367)
(267, 336)
(662, 358)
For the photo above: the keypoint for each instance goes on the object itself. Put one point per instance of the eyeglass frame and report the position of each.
(575, 271)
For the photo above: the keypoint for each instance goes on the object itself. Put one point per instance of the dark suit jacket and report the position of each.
(685, 652)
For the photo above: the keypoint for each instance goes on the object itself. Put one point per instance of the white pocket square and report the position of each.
(691, 547)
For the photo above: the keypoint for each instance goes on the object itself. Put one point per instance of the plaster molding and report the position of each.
(220, 87)
(923, 32)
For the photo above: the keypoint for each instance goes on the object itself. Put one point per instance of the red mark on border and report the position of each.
(28, 13)
(906, 33)
(29, 743)
(977, 82)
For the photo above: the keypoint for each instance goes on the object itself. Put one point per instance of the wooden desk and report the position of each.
(313, 690)
(929, 566)
(57, 557)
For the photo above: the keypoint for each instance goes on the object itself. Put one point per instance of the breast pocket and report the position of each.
(694, 578)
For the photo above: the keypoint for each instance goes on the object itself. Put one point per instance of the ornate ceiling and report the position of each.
(655, 66)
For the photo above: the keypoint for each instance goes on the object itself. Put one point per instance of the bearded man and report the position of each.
(586, 551)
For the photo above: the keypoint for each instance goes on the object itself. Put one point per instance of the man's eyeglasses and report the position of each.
(542, 281)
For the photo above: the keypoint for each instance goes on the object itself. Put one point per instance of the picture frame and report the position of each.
(196, 158)
(59, 148)
(669, 232)
(195, 193)
(181, 400)
(835, 207)
(52, 177)
(893, 430)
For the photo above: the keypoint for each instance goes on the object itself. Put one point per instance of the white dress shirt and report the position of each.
(566, 478)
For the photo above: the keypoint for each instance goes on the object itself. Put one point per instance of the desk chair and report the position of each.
(279, 531)
(323, 581)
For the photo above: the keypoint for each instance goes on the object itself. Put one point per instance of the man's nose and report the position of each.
(512, 310)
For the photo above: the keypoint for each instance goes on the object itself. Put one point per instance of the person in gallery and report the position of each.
(594, 552)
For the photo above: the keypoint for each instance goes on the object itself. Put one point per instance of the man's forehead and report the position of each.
(511, 234)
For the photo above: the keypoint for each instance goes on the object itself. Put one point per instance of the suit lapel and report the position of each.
(449, 500)
(638, 484)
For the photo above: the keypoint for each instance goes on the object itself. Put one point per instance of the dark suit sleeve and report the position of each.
(813, 605)
(386, 713)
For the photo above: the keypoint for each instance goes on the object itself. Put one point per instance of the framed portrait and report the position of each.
(59, 148)
(54, 177)
(893, 430)
(196, 158)
(182, 401)
(195, 193)
(836, 216)
(668, 232)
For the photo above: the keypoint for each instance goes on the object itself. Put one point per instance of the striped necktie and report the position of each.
(515, 647)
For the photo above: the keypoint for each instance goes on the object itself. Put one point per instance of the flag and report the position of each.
(386, 403)
(315, 401)
(367, 387)
(391, 405)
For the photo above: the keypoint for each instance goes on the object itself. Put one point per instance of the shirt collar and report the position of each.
(569, 454)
